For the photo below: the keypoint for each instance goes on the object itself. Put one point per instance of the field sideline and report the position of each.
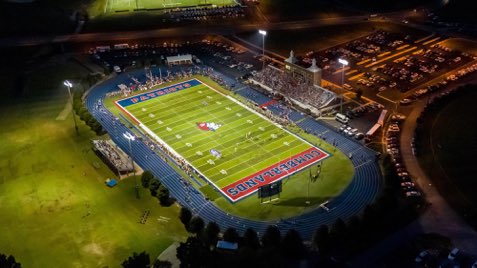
(253, 151)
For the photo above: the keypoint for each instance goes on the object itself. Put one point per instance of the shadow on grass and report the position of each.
(301, 201)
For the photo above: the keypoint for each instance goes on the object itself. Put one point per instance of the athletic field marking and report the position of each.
(249, 184)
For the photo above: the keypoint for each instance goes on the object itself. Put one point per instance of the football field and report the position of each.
(234, 148)
(130, 5)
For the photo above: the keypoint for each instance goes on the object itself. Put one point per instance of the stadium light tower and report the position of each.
(130, 138)
(69, 85)
(343, 64)
(263, 33)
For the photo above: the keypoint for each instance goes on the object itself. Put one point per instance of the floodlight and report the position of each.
(67, 83)
(342, 61)
(262, 32)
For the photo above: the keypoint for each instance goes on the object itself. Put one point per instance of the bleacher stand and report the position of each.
(114, 158)
(294, 86)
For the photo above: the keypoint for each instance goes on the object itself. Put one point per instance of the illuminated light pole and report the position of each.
(263, 33)
(130, 138)
(69, 85)
(343, 64)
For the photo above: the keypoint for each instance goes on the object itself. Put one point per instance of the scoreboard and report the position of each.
(270, 189)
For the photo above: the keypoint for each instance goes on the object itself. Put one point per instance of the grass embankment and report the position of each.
(56, 210)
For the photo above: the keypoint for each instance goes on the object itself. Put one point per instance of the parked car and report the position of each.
(474, 265)
(453, 254)
(352, 132)
(420, 258)
(406, 101)
(359, 136)
(413, 193)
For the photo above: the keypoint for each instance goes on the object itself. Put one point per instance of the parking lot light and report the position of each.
(130, 138)
(69, 85)
(263, 33)
(343, 64)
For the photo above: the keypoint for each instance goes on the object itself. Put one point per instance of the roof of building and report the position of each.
(186, 57)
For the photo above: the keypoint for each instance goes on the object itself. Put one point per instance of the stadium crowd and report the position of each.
(295, 87)
(111, 155)
(169, 76)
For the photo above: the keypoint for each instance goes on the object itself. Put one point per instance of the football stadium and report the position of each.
(229, 154)
(231, 146)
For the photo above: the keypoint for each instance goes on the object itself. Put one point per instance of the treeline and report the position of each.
(156, 188)
(8, 262)
(84, 114)
(331, 246)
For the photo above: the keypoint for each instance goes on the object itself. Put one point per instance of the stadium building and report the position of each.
(312, 73)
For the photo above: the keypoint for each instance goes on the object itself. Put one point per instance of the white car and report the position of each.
(421, 256)
(453, 254)
(474, 265)
(352, 132)
(413, 193)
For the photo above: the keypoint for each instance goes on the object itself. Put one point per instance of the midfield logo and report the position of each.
(208, 126)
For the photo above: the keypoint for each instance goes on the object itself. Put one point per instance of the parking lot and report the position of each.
(228, 58)
(389, 66)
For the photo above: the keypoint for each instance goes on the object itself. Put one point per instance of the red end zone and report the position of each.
(278, 171)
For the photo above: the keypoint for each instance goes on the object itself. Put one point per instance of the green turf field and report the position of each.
(247, 142)
(300, 194)
(129, 5)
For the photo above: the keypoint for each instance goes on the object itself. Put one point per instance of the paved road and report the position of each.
(196, 29)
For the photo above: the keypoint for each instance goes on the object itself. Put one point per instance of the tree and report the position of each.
(162, 264)
(354, 233)
(321, 240)
(82, 112)
(211, 233)
(91, 121)
(250, 239)
(292, 245)
(193, 253)
(146, 178)
(196, 225)
(163, 195)
(97, 127)
(271, 237)
(249, 249)
(9, 261)
(140, 260)
(154, 186)
(231, 235)
(87, 118)
(338, 230)
(185, 216)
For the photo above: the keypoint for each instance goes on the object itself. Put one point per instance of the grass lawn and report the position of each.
(56, 210)
(174, 121)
